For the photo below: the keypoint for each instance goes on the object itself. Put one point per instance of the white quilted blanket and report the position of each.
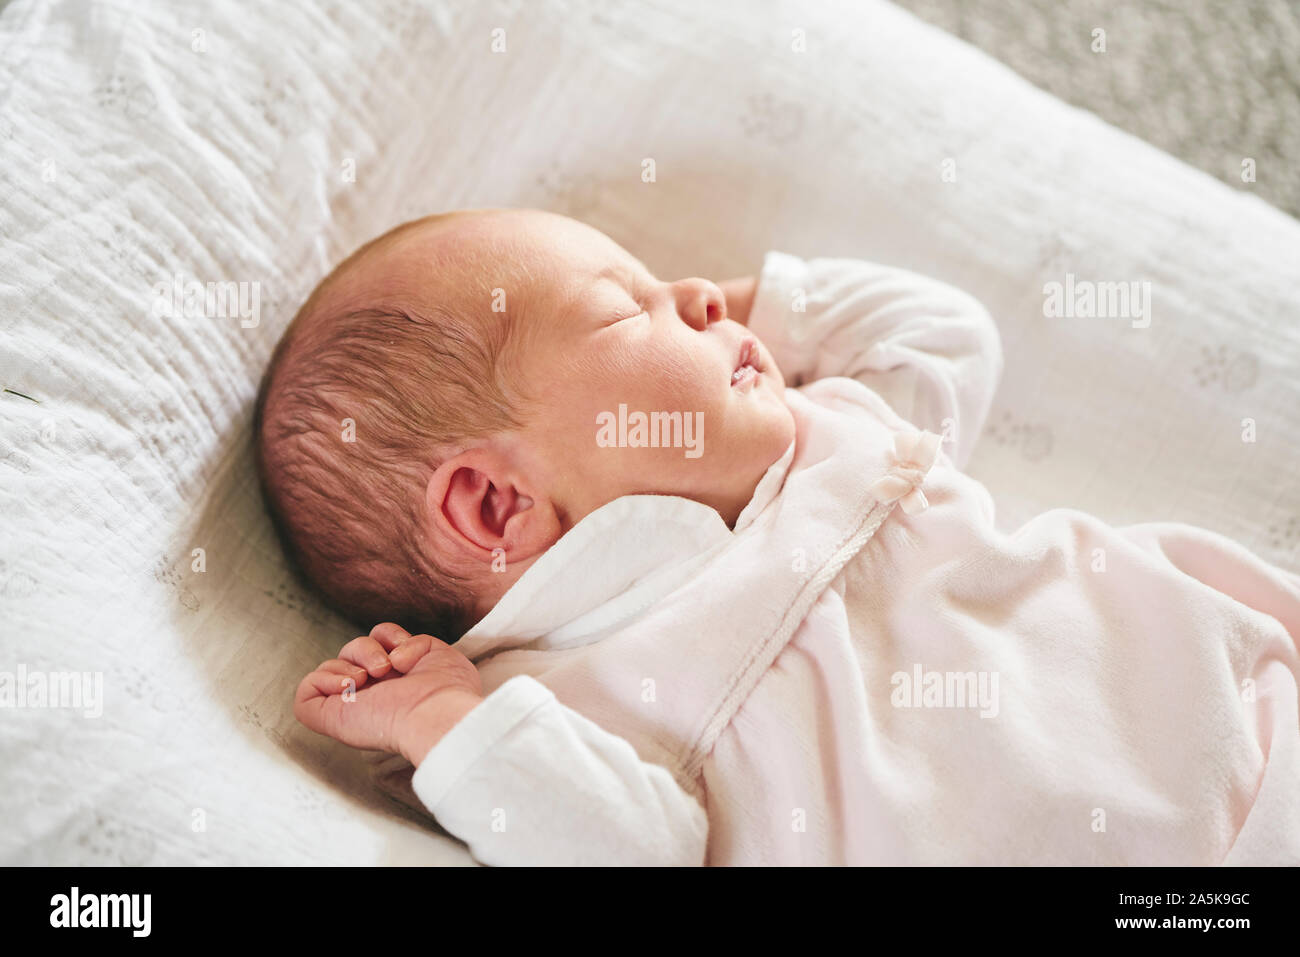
(150, 145)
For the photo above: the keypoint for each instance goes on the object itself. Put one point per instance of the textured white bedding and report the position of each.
(214, 141)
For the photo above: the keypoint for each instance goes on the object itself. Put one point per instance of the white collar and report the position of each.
(618, 560)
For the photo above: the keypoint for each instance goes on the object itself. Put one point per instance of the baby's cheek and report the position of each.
(678, 385)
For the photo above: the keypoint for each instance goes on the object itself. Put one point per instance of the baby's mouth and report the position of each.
(748, 366)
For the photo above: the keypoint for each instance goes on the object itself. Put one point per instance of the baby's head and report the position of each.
(446, 405)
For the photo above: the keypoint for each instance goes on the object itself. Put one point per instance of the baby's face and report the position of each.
(610, 347)
(630, 382)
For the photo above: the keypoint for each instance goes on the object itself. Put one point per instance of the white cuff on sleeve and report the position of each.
(475, 734)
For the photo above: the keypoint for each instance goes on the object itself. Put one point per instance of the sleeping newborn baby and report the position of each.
(689, 573)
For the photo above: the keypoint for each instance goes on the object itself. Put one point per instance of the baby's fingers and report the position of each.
(405, 655)
(330, 678)
(367, 653)
(389, 634)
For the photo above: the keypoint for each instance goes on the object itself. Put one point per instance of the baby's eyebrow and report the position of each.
(621, 272)
(622, 276)
(580, 291)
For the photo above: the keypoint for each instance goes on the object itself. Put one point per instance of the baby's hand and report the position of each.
(389, 691)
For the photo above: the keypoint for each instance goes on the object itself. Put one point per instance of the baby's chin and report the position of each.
(773, 423)
(767, 440)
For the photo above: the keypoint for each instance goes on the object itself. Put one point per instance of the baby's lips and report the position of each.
(749, 355)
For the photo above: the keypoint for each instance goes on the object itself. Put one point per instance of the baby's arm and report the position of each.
(519, 777)
(928, 349)
(524, 779)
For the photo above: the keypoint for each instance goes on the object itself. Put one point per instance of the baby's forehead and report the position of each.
(451, 264)
(539, 258)
(526, 269)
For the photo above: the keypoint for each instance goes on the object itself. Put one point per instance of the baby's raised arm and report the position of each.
(928, 349)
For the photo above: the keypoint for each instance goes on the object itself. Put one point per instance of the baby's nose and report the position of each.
(700, 302)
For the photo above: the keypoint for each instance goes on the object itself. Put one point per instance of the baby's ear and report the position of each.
(475, 496)
(465, 495)
(479, 502)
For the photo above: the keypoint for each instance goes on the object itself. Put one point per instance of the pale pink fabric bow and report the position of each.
(915, 454)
